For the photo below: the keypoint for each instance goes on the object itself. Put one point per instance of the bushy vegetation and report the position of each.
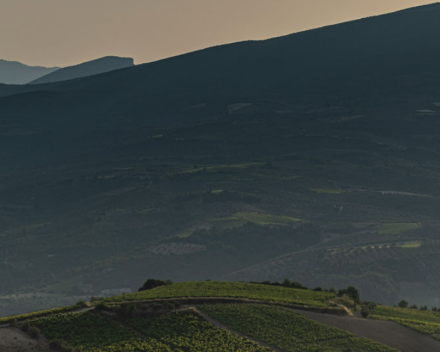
(232, 290)
(287, 330)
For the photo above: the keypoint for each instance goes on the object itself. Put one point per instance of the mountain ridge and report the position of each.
(89, 68)
(14, 72)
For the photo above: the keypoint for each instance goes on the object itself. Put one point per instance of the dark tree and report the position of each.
(152, 283)
(403, 304)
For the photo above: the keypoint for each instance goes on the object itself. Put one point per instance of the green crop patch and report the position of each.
(227, 223)
(392, 228)
(38, 314)
(385, 312)
(266, 219)
(423, 321)
(94, 333)
(288, 330)
(186, 331)
(260, 218)
(232, 290)
(432, 329)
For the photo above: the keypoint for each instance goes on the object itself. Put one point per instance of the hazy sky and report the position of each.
(66, 32)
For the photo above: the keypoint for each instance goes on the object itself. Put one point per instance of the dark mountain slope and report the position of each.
(319, 149)
(102, 65)
(12, 72)
(376, 59)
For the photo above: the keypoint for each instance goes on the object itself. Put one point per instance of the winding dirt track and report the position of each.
(385, 332)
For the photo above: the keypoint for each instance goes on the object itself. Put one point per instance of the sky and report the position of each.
(68, 32)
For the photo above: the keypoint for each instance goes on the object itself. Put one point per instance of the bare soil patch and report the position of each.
(14, 340)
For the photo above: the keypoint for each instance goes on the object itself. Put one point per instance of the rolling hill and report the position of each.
(196, 316)
(312, 156)
(13, 72)
(94, 67)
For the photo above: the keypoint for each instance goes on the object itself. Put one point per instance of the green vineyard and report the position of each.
(288, 330)
(176, 332)
(426, 322)
(39, 314)
(187, 331)
(95, 333)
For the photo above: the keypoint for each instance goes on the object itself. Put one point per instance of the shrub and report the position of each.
(62, 346)
(318, 289)
(370, 305)
(56, 345)
(351, 292)
(169, 305)
(403, 304)
(132, 308)
(34, 332)
(365, 312)
(95, 299)
(101, 306)
(81, 303)
(13, 322)
(25, 327)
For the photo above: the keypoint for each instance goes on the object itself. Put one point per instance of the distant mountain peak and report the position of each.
(89, 68)
(14, 72)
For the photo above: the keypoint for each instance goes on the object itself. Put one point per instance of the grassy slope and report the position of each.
(288, 330)
(425, 322)
(233, 290)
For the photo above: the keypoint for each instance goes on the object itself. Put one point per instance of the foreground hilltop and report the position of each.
(313, 156)
(223, 316)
